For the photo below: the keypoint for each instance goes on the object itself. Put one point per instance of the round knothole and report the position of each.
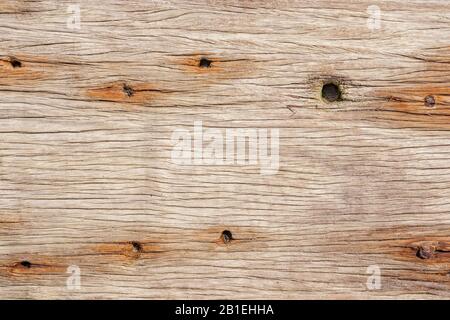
(25, 264)
(15, 63)
(331, 92)
(227, 236)
(137, 247)
(205, 63)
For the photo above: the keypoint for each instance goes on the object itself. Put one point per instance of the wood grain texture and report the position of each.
(86, 118)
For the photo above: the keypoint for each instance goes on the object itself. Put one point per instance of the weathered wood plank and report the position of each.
(87, 178)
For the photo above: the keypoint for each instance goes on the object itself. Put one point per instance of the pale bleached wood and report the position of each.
(85, 169)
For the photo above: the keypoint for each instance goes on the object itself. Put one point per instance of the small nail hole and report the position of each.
(15, 63)
(331, 92)
(430, 101)
(128, 90)
(137, 247)
(227, 236)
(25, 264)
(205, 63)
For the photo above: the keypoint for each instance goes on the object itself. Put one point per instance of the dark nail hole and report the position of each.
(25, 264)
(227, 236)
(204, 63)
(425, 252)
(430, 101)
(331, 92)
(15, 63)
(137, 247)
(128, 90)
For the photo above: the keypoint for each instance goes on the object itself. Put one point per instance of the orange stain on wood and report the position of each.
(13, 7)
(211, 67)
(411, 244)
(421, 106)
(428, 96)
(129, 250)
(126, 92)
(436, 249)
(413, 100)
(15, 70)
(34, 266)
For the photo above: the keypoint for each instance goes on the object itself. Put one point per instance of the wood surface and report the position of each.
(86, 176)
